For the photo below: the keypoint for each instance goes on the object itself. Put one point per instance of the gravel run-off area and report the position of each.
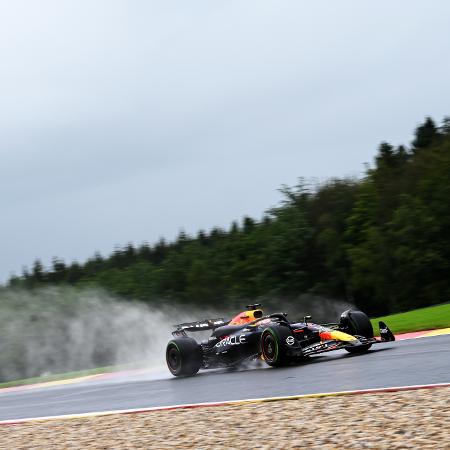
(396, 420)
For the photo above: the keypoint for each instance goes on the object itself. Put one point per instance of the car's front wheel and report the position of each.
(357, 323)
(183, 356)
(273, 345)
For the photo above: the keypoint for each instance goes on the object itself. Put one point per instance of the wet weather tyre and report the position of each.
(357, 323)
(273, 346)
(183, 357)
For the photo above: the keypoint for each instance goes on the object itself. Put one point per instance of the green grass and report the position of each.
(417, 320)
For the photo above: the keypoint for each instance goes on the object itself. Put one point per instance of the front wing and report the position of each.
(386, 335)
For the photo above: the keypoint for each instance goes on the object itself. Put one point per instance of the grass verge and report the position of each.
(429, 318)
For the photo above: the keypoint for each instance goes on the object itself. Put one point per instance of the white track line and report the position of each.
(225, 403)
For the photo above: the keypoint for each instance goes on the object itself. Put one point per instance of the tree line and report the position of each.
(381, 242)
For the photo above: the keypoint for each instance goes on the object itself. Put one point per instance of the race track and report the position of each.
(409, 362)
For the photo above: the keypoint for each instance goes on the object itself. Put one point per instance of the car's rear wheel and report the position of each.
(357, 323)
(273, 346)
(183, 357)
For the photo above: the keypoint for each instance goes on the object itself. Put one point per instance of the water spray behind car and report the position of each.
(63, 329)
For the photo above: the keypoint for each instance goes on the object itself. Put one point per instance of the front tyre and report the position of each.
(273, 346)
(357, 323)
(183, 356)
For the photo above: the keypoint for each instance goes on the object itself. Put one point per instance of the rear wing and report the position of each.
(201, 325)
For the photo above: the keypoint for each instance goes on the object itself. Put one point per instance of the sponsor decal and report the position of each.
(290, 340)
(231, 340)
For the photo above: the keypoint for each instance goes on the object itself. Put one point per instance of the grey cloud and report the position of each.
(127, 120)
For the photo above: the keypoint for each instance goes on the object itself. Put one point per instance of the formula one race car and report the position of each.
(251, 335)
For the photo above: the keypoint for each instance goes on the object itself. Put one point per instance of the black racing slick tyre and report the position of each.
(273, 345)
(183, 357)
(357, 323)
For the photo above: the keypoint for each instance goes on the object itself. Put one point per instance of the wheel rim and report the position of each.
(173, 359)
(269, 347)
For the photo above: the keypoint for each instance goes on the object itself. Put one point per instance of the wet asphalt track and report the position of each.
(411, 362)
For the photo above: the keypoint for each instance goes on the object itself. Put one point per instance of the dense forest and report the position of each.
(381, 242)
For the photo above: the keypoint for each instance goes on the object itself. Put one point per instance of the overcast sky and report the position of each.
(130, 120)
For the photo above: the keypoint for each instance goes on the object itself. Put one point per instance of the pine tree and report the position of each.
(37, 273)
(425, 134)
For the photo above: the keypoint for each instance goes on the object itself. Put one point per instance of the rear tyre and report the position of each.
(183, 357)
(357, 323)
(273, 346)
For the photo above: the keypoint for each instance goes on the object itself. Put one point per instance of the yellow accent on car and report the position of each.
(246, 317)
(341, 336)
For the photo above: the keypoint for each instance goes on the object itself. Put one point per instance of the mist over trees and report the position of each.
(381, 242)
